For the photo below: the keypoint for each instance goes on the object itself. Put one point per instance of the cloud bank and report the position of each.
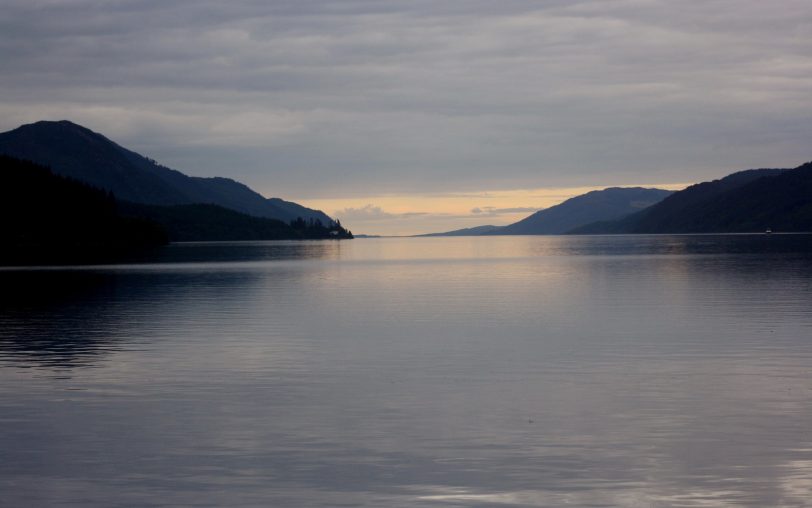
(318, 98)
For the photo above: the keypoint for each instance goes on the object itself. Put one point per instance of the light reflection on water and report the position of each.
(514, 371)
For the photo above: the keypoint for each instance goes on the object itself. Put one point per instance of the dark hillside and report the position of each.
(215, 223)
(46, 218)
(77, 152)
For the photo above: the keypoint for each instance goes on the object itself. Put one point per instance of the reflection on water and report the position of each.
(74, 317)
(511, 371)
(219, 252)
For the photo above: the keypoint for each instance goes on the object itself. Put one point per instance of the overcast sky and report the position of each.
(317, 100)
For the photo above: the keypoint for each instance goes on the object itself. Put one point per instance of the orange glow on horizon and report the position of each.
(410, 214)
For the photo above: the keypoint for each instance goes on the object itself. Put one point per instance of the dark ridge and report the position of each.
(206, 222)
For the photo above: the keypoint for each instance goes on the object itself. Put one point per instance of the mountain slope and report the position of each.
(747, 201)
(75, 151)
(601, 205)
(606, 204)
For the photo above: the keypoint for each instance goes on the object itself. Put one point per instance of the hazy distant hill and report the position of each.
(46, 218)
(605, 204)
(474, 231)
(75, 151)
(747, 201)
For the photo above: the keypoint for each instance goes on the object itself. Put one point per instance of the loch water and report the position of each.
(642, 371)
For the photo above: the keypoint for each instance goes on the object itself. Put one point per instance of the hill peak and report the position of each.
(58, 132)
(54, 125)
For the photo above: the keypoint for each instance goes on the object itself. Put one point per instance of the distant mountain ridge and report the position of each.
(606, 204)
(75, 151)
(747, 201)
(474, 231)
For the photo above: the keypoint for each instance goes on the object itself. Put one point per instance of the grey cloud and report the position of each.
(490, 211)
(324, 97)
(372, 212)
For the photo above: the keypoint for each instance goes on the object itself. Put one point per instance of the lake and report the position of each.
(643, 371)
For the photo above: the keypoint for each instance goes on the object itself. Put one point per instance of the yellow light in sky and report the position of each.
(410, 214)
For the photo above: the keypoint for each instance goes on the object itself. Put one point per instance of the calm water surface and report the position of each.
(650, 371)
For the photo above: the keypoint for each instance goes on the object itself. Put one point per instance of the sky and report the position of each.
(409, 116)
